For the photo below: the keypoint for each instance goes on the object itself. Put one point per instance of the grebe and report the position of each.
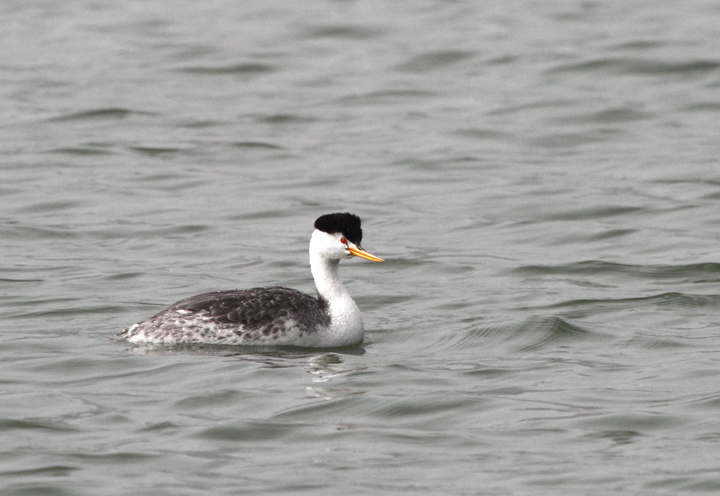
(273, 315)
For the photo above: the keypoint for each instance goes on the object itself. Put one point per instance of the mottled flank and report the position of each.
(259, 316)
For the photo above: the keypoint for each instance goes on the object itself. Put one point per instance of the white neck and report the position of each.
(324, 264)
(327, 278)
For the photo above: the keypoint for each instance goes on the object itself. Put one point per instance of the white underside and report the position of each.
(183, 327)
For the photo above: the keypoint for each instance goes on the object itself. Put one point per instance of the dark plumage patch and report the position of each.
(258, 309)
(347, 224)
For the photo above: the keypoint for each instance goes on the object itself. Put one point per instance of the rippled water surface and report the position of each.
(542, 179)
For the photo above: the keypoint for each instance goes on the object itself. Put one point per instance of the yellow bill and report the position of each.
(359, 252)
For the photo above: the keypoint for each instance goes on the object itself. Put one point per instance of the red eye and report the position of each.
(343, 241)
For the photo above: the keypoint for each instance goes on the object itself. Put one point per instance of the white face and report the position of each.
(331, 246)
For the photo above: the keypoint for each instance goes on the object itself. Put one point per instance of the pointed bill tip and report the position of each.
(359, 252)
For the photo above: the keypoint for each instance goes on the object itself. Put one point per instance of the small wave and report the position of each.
(600, 212)
(283, 118)
(99, 114)
(80, 150)
(613, 115)
(248, 68)
(571, 139)
(695, 273)
(51, 206)
(386, 96)
(531, 334)
(435, 60)
(41, 425)
(157, 150)
(640, 67)
(342, 31)
(33, 232)
(484, 134)
(676, 300)
(545, 331)
(68, 312)
(216, 398)
(234, 432)
(54, 471)
(257, 145)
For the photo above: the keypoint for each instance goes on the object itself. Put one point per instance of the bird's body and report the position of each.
(273, 315)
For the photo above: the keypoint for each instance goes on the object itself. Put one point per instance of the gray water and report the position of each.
(542, 179)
